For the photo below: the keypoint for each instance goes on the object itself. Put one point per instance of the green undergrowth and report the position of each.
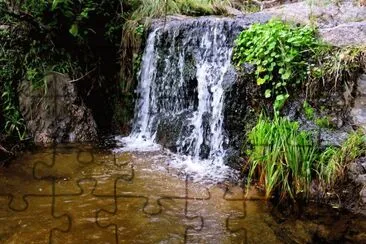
(19, 61)
(285, 160)
(335, 69)
(55, 36)
(288, 58)
(333, 161)
(281, 54)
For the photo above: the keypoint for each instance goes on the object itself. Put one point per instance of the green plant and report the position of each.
(333, 161)
(281, 157)
(281, 53)
(335, 69)
(14, 123)
(323, 122)
(249, 7)
(308, 110)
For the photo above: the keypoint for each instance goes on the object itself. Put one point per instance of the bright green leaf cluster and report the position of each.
(281, 53)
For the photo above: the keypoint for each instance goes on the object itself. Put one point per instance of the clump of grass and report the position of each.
(335, 68)
(282, 157)
(286, 160)
(333, 161)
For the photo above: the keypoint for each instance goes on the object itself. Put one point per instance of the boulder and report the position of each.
(340, 24)
(345, 34)
(55, 113)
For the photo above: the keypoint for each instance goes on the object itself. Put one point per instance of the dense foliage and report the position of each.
(282, 158)
(281, 54)
(44, 36)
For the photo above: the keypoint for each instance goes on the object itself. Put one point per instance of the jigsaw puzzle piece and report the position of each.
(215, 212)
(20, 172)
(130, 222)
(82, 209)
(155, 184)
(36, 224)
(72, 163)
(248, 225)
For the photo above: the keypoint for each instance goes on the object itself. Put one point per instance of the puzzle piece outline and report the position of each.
(160, 200)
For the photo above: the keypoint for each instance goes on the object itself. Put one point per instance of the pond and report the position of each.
(86, 194)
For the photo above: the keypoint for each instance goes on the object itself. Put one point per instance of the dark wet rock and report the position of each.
(235, 113)
(175, 84)
(205, 147)
(57, 114)
(168, 131)
(358, 111)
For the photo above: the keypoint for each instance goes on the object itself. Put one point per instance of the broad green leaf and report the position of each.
(286, 75)
(55, 4)
(260, 81)
(267, 94)
(74, 30)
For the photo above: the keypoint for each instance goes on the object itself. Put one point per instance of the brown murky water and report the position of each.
(79, 194)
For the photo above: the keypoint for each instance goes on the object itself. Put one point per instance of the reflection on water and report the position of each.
(80, 194)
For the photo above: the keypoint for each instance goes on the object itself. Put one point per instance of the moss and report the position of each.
(323, 122)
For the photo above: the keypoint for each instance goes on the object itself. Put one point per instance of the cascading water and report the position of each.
(185, 70)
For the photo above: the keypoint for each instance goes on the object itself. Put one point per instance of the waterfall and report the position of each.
(185, 70)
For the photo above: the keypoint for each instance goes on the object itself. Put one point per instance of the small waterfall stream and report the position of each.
(185, 70)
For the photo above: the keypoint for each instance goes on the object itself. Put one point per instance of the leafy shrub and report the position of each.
(281, 157)
(281, 53)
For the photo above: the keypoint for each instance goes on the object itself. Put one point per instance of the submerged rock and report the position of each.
(56, 113)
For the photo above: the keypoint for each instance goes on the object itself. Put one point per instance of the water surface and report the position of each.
(82, 194)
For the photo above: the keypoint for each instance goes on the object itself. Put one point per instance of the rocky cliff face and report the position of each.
(56, 113)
